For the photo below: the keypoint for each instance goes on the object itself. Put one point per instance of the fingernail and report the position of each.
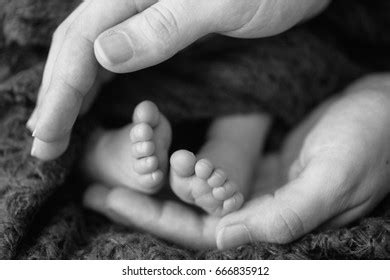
(115, 47)
(31, 121)
(34, 133)
(233, 236)
(29, 124)
(33, 148)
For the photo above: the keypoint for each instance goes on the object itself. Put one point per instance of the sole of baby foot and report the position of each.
(200, 183)
(135, 156)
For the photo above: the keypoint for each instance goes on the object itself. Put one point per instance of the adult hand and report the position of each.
(178, 223)
(128, 35)
(333, 169)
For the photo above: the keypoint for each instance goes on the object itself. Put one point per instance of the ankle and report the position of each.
(247, 149)
(91, 157)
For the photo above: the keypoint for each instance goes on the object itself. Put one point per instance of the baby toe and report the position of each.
(225, 191)
(146, 165)
(183, 163)
(217, 179)
(143, 149)
(147, 112)
(151, 182)
(208, 203)
(203, 169)
(141, 132)
(233, 203)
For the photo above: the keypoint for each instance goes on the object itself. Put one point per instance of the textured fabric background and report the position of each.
(41, 216)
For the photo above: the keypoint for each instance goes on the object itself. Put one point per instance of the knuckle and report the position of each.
(111, 200)
(163, 25)
(286, 227)
(72, 31)
(76, 33)
(141, 5)
(251, 21)
(60, 32)
(66, 81)
(339, 186)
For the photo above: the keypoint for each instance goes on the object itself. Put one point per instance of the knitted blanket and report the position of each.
(41, 214)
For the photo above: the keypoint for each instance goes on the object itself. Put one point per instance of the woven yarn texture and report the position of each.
(41, 212)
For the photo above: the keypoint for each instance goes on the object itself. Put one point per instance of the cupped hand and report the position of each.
(333, 169)
(128, 35)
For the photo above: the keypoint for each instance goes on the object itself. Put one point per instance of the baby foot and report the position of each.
(134, 156)
(200, 183)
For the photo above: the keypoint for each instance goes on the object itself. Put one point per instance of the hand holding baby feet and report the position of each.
(337, 171)
(219, 178)
(175, 221)
(199, 182)
(134, 156)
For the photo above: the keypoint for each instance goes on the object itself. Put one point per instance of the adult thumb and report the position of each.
(153, 35)
(290, 212)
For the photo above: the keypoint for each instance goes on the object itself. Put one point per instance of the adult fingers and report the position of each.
(56, 44)
(167, 219)
(346, 217)
(47, 151)
(103, 77)
(349, 215)
(95, 198)
(168, 26)
(293, 210)
(75, 68)
(50, 151)
(269, 17)
(155, 34)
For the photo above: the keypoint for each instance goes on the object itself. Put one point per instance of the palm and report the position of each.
(175, 221)
(319, 176)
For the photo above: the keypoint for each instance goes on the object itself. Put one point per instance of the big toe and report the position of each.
(147, 112)
(183, 163)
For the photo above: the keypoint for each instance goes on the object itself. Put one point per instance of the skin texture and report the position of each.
(218, 178)
(142, 33)
(134, 156)
(333, 169)
(338, 175)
